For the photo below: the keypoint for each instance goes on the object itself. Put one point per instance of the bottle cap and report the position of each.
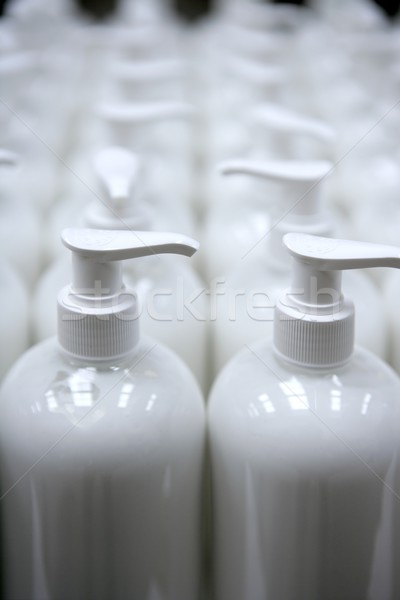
(97, 315)
(314, 323)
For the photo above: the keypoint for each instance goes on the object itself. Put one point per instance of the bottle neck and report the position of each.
(318, 340)
(310, 370)
(105, 364)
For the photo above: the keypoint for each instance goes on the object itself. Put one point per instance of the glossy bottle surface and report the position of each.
(101, 477)
(303, 466)
(230, 230)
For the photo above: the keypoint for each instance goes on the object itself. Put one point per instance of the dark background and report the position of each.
(193, 9)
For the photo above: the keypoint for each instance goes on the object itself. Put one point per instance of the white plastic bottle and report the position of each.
(20, 127)
(15, 319)
(157, 130)
(245, 311)
(303, 433)
(135, 127)
(241, 211)
(172, 295)
(101, 440)
(20, 241)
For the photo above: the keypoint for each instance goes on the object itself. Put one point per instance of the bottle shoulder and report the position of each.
(152, 381)
(257, 373)
(262, 411)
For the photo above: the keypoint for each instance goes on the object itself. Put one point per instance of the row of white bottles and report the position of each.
(149, 76)
(120, 173)
(102, 440)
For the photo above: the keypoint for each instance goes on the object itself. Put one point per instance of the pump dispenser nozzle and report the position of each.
(117, 169)
(301, 183)
(97, 315)
(314, 323)
(121, 204)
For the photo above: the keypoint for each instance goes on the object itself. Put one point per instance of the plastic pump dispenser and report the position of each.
(126, 202)
(118, 172)
(314, 323)
(263, 276)
(107, 205)
(137, 126)
(264, 272)
(301, 180)
(113, 424)
(304, 426)
(278, 134)
(165, 285)
(110, 327)
(145, 129)
(301, 196)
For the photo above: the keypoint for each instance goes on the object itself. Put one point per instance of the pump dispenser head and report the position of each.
(97, 315)
(314, 323)
(118, 171)
(300, 178)
(301, 182)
